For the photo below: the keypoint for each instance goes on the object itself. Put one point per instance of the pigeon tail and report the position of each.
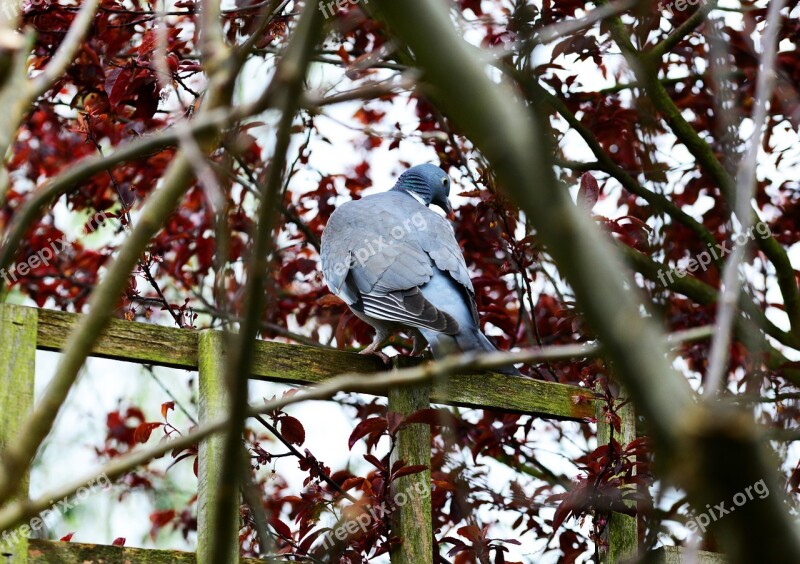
(466, 340)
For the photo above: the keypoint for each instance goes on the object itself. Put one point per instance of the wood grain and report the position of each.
(17, 372)
(298, 364)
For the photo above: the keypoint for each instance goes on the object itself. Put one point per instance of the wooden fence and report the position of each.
(23, 330)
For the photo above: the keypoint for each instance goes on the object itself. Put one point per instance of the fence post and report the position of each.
(213, 404)
(621, 532)
(17, 370)
(411, 520)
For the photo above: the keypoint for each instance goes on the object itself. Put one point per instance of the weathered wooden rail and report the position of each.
(23, 330)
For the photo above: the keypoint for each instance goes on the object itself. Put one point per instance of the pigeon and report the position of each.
(397, 265)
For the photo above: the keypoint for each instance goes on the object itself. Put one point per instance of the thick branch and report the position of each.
(745, 190)
(18, 91)
(289, 78)
(19, 454)
(66, 52)
(644, 65)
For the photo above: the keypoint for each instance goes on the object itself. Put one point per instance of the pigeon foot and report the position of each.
(373, 350)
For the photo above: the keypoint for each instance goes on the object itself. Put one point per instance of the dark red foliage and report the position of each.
(119, 89)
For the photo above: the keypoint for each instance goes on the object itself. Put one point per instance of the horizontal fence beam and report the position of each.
(146, 343)
(684, 555)
(55, 552)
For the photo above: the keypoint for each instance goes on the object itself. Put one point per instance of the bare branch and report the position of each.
(65, 55)
(745, 190)
(19, 453)
(288, 81)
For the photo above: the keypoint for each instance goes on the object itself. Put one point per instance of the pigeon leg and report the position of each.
(375, 345)
(420, 344)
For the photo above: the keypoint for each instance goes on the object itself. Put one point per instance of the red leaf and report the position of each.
(375, 462)
(407, 470)
(117, 85)
(432, 416)
(292, 430)
(144, 430)
(165, 407)
(351, 483)
(470, 532)
(394, 421)
(343, 55)
(309, 540)
(794, 480)
(161, 518)
(366, 427)
(119, 541)
(67, 538)
(149, 41)
(588, 192)
(281, 528)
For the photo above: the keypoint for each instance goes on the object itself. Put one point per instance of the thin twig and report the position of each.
(318, 466)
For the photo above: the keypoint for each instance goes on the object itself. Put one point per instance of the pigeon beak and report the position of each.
(448, 209)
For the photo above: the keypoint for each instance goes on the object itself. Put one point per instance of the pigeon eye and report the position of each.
(444, 181)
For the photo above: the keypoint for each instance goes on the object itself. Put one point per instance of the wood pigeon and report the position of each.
(398, 266)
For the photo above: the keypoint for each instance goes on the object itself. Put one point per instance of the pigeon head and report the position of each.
(428, 184)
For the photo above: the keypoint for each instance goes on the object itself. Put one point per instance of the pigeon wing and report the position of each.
(373, 260)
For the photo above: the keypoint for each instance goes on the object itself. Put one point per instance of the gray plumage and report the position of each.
(398, 266)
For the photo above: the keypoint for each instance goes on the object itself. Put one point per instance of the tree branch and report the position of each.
(288, 81)
(20, 452)
(745, 190)
(683, 30)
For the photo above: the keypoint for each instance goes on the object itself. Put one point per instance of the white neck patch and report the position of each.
(416, 196)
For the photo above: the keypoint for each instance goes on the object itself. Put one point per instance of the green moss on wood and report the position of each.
(621, 531)
(54, 552)
(17, 370)
(411, 521)
(125, 340)
(213, 404)
(299, 364)
(680, 555)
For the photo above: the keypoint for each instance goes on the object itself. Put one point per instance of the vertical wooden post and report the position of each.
(17, 371)
(411, 521)
(213, 404)
(621, 532)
